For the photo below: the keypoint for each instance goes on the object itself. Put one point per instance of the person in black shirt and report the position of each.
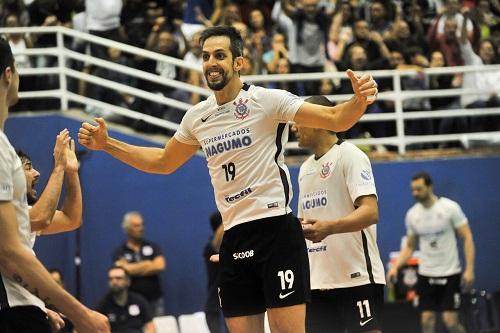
(127, 312)
(143, 260)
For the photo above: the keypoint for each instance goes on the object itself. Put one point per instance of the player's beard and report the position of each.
(220, 84)
(32, 199)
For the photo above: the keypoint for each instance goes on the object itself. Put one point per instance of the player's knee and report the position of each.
(450, 320)
(428, 319)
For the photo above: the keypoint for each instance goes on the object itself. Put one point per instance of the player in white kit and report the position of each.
(25, 285)
(433, 222)
(339, 212)
(242, 131)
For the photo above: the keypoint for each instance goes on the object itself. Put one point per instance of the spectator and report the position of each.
(448, 43)
(213, 310)
(379, 21)
(278, 51)
(306, 28)
(402, 37)
(58, 278)
(480, 80)
(484, 17)
(371, 41)
(17, 8)
(230, 14)
(193, 57)
(127, 311)
(143, 261)
(199, 14)
(340, 33)
(103, 20)
(451, 11)
(445, 81)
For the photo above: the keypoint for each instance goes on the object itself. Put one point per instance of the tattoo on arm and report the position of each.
(16, 277)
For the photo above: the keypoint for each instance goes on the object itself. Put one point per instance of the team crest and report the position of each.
(241, 111)
(326, 170)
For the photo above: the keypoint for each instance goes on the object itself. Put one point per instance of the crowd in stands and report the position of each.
(286, 36)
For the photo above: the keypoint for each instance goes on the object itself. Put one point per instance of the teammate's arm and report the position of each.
(70, 216)
(343, 116)
(145, 267)
(42, 212)
(153, 160)
(469, 251)
(24, 268)
(404, 255)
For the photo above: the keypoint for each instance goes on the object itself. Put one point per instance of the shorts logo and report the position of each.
(241, 111)
(283, 296)
(326, 169)
(243, 255)
(363, 323)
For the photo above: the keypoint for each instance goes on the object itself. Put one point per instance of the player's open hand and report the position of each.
(60, 146)
(71, 160)
(93, 137)
(365, 87)
(314, 230)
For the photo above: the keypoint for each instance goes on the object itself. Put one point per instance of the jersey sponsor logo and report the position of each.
(314, 249)
(364, 322)
(236, 139)
(316, 199)
(241, 111)
(243, 255)
(326, 170)
(238, 196)
(283, 296)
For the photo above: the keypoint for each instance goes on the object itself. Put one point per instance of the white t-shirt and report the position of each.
(13, 189)
(243, 141)
(435, 228)
(103, 15)
(329, 187)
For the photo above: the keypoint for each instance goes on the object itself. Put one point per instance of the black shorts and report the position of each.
(24, 319)
(439, 293)
(355, 309)
(264, 264)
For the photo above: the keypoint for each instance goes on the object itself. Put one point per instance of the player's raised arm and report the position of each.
(342, 116)
(153, 160)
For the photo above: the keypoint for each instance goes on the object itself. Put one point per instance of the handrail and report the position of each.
(397, 95)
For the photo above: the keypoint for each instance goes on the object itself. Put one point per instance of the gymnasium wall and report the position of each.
(176, 210)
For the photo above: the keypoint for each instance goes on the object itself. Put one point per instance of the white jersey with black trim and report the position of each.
(329, 186)
(435, 228)
(243, 141)
(13, 189)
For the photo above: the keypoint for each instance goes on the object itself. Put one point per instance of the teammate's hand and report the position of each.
(62, 141)
(93, 137)
(468, 279)
(93, 322)
(214, 258)
(55, 320)
(71, 160)
(392, 274)
(314, 230)
(365, 87)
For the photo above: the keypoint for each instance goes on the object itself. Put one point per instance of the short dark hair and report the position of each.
(423, 175)
(6, 57)
(235, 40)
(319, 100)
(215, 220)
(23, 156)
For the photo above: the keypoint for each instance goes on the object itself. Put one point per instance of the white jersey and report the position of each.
(329, 186)
(13, 189)
(243, 141)
(435, 227)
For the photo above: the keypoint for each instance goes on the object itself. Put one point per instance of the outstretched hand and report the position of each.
(365, 87)
(71, 160)
(60, 146)
(93, 137)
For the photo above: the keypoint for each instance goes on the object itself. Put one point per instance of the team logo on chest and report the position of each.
(326, 170)
(241, 111)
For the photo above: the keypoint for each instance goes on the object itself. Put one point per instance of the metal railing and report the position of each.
(401, 140)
